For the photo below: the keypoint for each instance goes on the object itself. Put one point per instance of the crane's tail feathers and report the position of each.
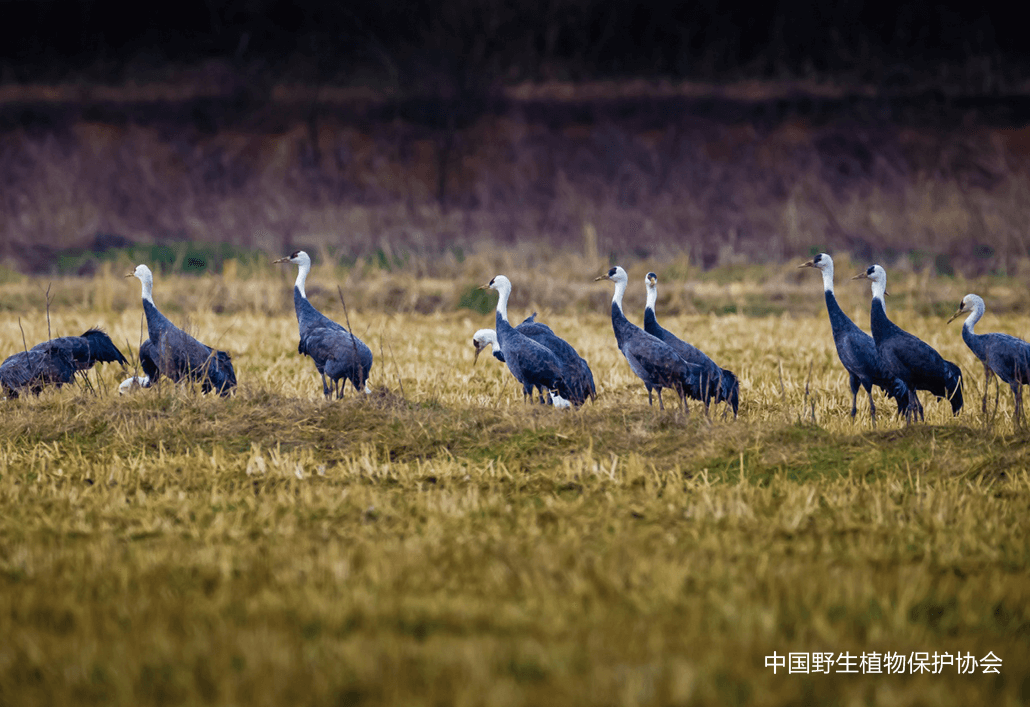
(101, 348)
(687, 381)
(219, 374)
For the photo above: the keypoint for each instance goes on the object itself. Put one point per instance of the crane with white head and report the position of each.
(717, 383)
(338, 354)
(651, 359)
(171, 352)
(907, 357)
(1005, 356)
(856, 349)
(532, 364)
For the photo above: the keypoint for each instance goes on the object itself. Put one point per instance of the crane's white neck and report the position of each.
(879, 289)
(146, 279)
(503, 292)
(620, 290)
(652, 296)
(303, 268)
(827, 271)
(974, 316)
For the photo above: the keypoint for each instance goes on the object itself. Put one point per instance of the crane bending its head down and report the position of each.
(483, 338)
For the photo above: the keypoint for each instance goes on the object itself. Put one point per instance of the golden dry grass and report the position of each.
(438, 542)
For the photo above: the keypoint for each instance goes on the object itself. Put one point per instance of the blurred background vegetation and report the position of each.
(726, 135)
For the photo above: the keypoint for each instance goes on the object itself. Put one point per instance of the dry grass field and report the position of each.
(440, 543)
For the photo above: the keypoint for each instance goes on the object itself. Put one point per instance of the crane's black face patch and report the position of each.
(652, 276)
(871, 270)
(611, 273)
(296, 254)
(492, 279)
(818, 259)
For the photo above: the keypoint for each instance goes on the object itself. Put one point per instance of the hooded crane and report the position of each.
(337, 353)
(55, 362)
(171, 352)
(488, 337)
(1001, 354)
(574, 368)
(856, 349)
(907, 357)
(532, 364)
(651, 359)
(716, 382)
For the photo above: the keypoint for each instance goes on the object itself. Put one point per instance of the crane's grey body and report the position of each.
(907, 357)
(34, 370)
(1005, 356)
(56, 361)
(171, 352)
(652, 360)
(856, 349)
(532, 364)
(488, 337)
(339, 356)
(715, 383)
(575, 370)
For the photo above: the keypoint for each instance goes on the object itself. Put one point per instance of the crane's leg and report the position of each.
(1017, 393)
(325, 385)
(872, 405)
(855, 385)
(650, 400)
(914, 413)
(661, 405)
(987, 384)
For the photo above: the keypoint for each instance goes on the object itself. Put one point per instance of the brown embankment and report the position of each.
(723, 174)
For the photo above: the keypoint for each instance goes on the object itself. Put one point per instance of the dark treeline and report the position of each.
(429, 45)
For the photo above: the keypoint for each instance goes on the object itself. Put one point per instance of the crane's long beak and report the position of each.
(603, 277)
(957, 314)
(281, 260)
(483, 287)
(809, 264)
(132, 274)
(478, 349)
(860, 276)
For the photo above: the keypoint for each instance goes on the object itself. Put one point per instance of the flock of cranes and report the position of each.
(546, 365)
